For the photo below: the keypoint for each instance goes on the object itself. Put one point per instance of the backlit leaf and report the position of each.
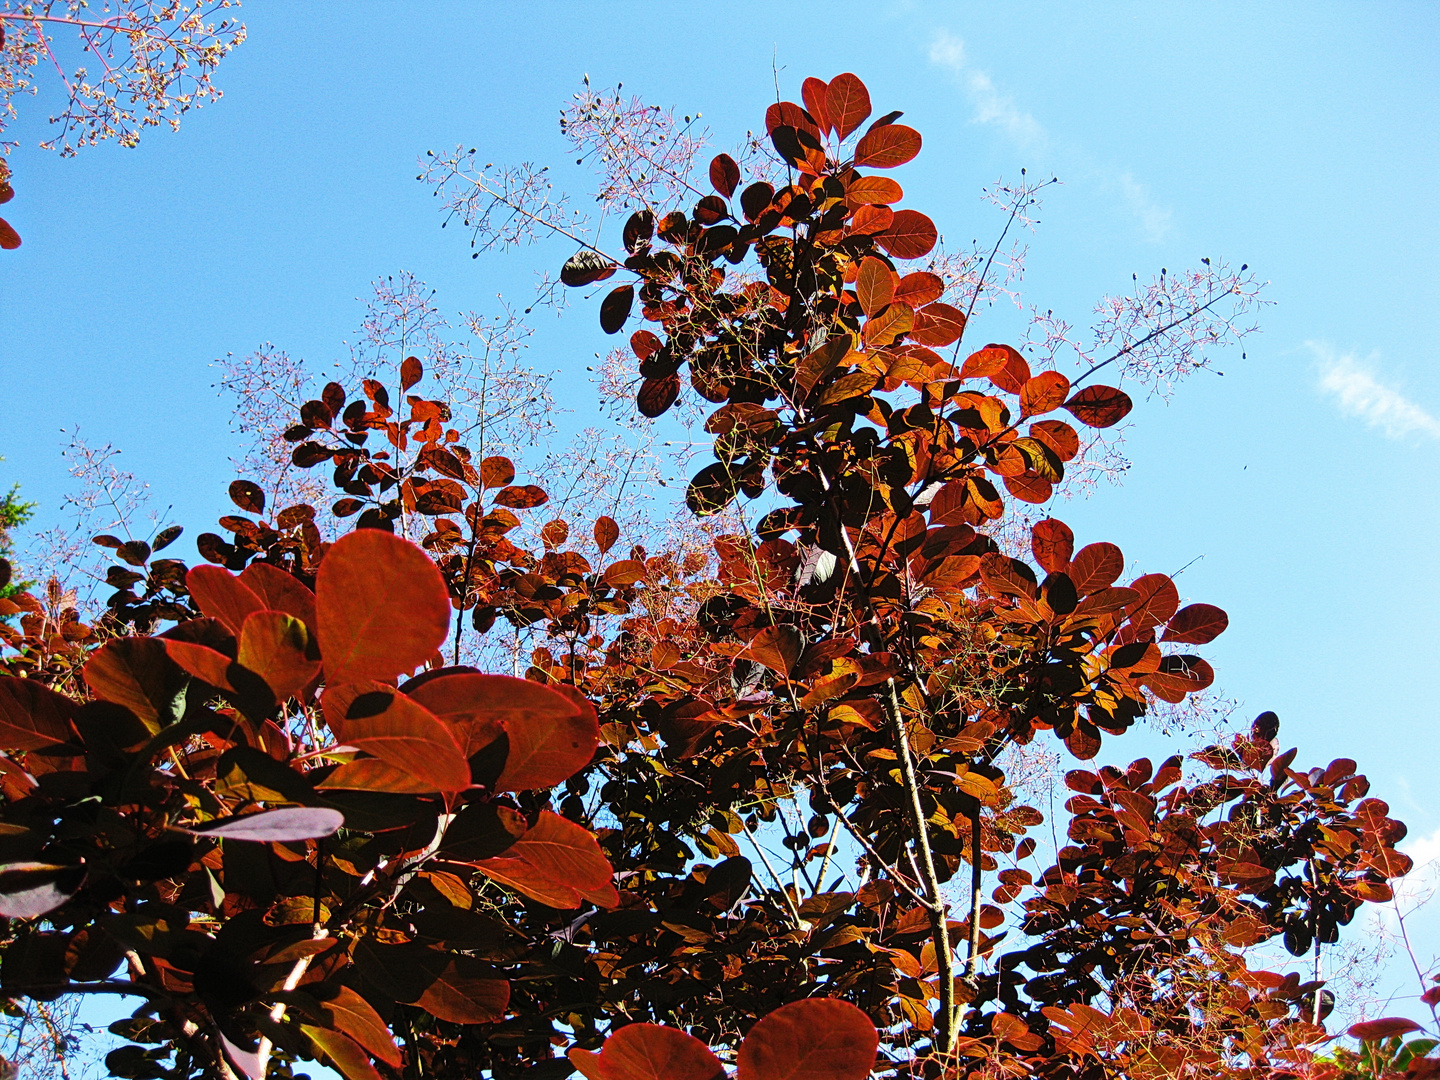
(920, 288)
(410, 372)
(814, 1039)
(873, 190)
(1095, 567)
(138, 674)
(649, 1052)
(382, 608)
(279, 591)
(393, 727)
(1196, 624)
(887, 147)
(497, 472)
(275, 826)
(936, 324)
(1052, 543)
(219, 594)
(33, 716)
(778, 648)
(1099, 406)
(348, 1056)
(9, 238)
(1042, 393)
(812, 93)
(522, 497)
(356, 1017)
(274, 645)
(1386, 1028)
(557, 863)
(724, 174)
(606, 533)
(462, 994)
(1158, 598)
(874, 285)
(911, 235)
(847, 103)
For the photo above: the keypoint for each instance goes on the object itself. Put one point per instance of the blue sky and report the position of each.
(1299, 138)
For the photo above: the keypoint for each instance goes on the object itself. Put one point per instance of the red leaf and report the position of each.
(920, 288)
(874, 285)
(788, 114)
(410, 372)
(462, 995)
(1095, 567)
(557, 863)
(1042, 393)
(32, 716)
(1052, 543)
(656, 395)
(382, 608)
(1387, 1028)
(724, 174)
(1196, 624)
(552, 736)
(247, 495)
(9, 238)
(615, 308)
(649, 1052)
(847, 103)
(136, 673)
(872, 220)
(1031, 489)
(1057, 435)
(936, 324)
(221, 595)
(1176, 677)
(1157, 601)
(910, 236)
(814, 1039)
(391, 726)
(887, 147)
(986, 362)
(644, 345)
(522, 497)
(606, 533)
(1099, 406)
(279, 591)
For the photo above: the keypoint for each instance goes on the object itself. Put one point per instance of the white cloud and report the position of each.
(1360, 394)
(991, 106)
(1154, 218)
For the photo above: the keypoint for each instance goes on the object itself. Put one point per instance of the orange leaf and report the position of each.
(136, 673)
(377, 718)
(986, 362)
(649, 1052)
(874, 285)
(372, 774)
(887, 146)
(1031, 489)
(1057, 435)
(778, 648)
(1095, 567)
(382, 608)
(1042, 393)
(812, 93)
(872, 191)
(920, 288)
(552, 736)
(847, 103)
(462, 995)
(556, 862)
(496, 472)
(348, 1057)
(521, 497)
(814, 1039)
(606, 533)
(219, 594)
(910, 236)
(274, 645)
(1157, 601)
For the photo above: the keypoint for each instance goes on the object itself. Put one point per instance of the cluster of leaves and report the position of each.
(301, 848)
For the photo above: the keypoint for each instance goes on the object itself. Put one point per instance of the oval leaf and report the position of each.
(462, 994)
(31, 889)
(615, 308)
(557, 863)
(886, 147)
(1099, 406)
(382, 608)
(1052, 543)
(1096, 567)
(393, 727)
(911, 235)
(724, 174)
(815, 1039)
(657, 395)
(847, 103)
(649, 1052)
(219, 594)
(1196, 624)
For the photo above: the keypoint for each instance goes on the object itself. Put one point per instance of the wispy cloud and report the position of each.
(1154, 218)
(1360, 394)
(991, 106)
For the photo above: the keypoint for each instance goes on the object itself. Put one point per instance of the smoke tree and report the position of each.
(276, 798)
